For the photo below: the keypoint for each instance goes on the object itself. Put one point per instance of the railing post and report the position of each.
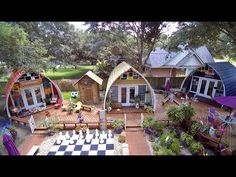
(141, 122)
(125, 120)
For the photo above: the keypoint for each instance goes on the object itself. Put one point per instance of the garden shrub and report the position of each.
(66, 85)
(186, 138)
(121, 139)
(195, 127)
(196, 147)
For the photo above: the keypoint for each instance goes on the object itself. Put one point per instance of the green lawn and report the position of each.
(67, 96)
(68, 72)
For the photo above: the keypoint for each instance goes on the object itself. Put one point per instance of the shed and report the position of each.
(88, 87)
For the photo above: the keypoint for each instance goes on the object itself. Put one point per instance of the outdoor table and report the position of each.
(227, 119)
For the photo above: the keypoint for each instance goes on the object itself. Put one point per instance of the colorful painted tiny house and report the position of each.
(28, 92)
(214, 79)
(124, 84)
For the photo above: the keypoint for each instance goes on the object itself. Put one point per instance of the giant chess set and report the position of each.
(96, 143)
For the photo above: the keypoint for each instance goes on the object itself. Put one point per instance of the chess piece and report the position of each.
(109, 134)
(67, 136)
(58, 141)
(80, 134)
(103, 132)
(71, 141)
(73, 132)
(60, 134)
(88, 140)
(101, 141)
(87, 131)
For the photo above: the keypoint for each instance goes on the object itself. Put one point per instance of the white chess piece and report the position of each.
(96, 131)
(58, 141)
(87, 140)
(80, 134)
(73, 132)
(71, 141)
(60, 134)
(87, 131)
(103, 132)
(67, 136)
(109, 134)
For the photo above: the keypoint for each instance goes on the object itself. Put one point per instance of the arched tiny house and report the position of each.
(125, 83)
(215, 79)
(28, 92)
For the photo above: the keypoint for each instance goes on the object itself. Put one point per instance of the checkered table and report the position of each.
(81, 147)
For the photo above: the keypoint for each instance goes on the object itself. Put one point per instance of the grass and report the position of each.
(68, 72)
(67, 96)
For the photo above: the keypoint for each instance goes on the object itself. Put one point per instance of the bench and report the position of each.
(86, 108)
(33, 150)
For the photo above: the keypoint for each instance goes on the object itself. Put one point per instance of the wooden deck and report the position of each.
(127, 110)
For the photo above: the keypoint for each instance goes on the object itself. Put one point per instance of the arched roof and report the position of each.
(116, 73)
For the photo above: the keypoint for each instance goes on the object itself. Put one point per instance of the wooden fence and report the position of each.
(159, 82)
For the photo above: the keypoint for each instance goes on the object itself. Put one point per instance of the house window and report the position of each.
(114, 93)
(141, 92)
(123, 76)
(135, 76)
(194, 86)
(219, 89)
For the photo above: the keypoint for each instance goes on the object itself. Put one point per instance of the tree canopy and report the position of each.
(219, 37)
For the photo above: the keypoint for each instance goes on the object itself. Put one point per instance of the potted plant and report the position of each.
(137, 101)
(118, 126)
(149, 109)
(53, 127)
(121, 138)
(147, 104)
(147, 124)
(77, 129)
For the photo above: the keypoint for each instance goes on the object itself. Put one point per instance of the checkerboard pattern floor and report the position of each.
(81, 147)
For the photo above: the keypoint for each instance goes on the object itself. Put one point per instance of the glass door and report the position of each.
(38, 95)
(123, 94)
(131, 94)
(29, 97)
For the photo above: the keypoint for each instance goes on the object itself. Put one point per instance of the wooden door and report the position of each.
(88, 95)
(123, 95)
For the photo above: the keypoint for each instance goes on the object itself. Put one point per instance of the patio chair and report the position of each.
(64, 106)
(78, 106)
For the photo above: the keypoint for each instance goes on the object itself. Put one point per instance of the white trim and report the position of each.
(32, 90)
(12, 100)
(208, 80)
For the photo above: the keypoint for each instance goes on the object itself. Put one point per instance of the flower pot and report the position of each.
(118, 130)
(210, 119)
(148, 131)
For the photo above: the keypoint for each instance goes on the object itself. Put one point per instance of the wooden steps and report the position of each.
(134, 129)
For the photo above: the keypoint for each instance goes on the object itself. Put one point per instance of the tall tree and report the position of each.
(16, 51)
(219, 37)
(142, 34)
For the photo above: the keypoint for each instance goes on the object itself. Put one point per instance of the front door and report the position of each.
(32, 96)
(88, 95)
(123, 95)
(206, 87)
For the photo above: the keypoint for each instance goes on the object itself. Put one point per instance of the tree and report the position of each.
(16, 51)
(219, 37)
(142, 34)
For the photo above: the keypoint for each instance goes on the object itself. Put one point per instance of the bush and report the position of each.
(195, 127)
(121, 139)
(118, 124)
(175, 146)
(149, 109)
(148, 122)
(164, 151)
(196, 147)
(186, 138)
(180, 113)
(66, 85)
(157, 126)
(164, 136)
